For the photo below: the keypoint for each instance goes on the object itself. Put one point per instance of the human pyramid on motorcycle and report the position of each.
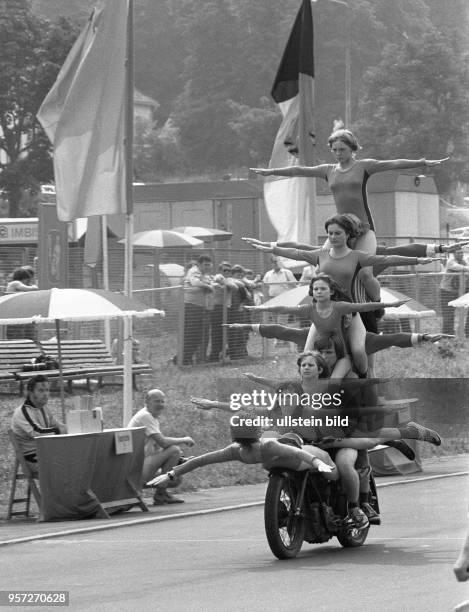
(337, 345)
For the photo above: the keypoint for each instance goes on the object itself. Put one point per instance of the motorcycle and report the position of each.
(303, 506)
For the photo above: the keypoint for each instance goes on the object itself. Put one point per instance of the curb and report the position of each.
(166, 517)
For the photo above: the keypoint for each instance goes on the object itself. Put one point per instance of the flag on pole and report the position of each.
(290, 202)
(83, 116)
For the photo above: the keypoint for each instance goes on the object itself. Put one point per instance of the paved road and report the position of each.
(222, 562)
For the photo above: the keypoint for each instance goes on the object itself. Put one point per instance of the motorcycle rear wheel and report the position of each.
(284, 530)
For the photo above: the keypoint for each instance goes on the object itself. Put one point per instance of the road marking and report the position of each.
(166, 517)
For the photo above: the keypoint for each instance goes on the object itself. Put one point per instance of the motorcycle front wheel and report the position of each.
(353, 538)
(284, 529)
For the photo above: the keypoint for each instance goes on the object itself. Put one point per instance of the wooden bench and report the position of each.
(84, 359)
(13, 355)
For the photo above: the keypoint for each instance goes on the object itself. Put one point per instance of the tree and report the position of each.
(415, 104)
(32, 52)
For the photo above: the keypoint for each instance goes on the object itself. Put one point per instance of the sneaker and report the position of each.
(356, 519)
(403, 448)
(171, 499)
(424, 433)
(371, 514)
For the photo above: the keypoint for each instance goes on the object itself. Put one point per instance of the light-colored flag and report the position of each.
(83, 116)
(290, 202)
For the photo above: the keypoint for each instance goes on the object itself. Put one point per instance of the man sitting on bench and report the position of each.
(33, 419)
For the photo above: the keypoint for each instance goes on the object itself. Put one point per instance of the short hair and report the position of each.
(202, 258)
(320, 362)
(237, 268)
(20, 274)
(30, 270)
(35, 380)
(224, 264)
(337, 292)
(149, 393)
(346, 136)
(326, 340)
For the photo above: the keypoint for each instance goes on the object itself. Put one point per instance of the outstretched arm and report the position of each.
(298, 245)
(374, 165)
(268, 382)
(393, 260)
(289, 171)
(349, 307)
(295, 310)
(206, 404)
(298, 254)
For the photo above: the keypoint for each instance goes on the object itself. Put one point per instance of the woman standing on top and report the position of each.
(347, 179)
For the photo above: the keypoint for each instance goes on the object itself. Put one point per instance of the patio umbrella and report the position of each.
(461, 302)
(163, 239)
(207, 233)
(409, 310)
(55, 305)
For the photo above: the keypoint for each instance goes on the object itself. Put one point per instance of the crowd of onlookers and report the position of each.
(209, 293)
(213, 297)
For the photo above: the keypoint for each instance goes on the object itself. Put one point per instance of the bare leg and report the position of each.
(345, 461)
(341, 368)
(229, 453)
(165, 459)
(276, 454)
(309, 344)
(370, 283)
(367, 243)
(357, 336)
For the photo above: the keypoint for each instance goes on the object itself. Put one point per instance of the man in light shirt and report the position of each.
(161, 452)
(450, 289)
(277, 281)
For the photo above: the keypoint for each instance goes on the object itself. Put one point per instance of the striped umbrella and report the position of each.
(55, 305)
(50, 305)
(164, 239)
(204, 233)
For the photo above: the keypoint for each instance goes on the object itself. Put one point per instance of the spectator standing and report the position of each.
(222, 286)
(22, 280)
(277, 281)
(240, 296)
(197, 289)
(449, 289)
(160, 451)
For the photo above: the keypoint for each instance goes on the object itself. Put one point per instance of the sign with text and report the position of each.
(123, 442)
(18, 231)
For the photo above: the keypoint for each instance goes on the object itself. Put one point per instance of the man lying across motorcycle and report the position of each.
(251, 446)
(347, 440)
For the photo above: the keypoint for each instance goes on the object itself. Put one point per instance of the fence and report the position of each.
(195, 334)
(190, 334)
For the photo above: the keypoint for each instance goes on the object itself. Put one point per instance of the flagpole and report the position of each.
(128, 281)
(107, 322)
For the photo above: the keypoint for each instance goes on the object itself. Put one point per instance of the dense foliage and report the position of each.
(33, 51)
